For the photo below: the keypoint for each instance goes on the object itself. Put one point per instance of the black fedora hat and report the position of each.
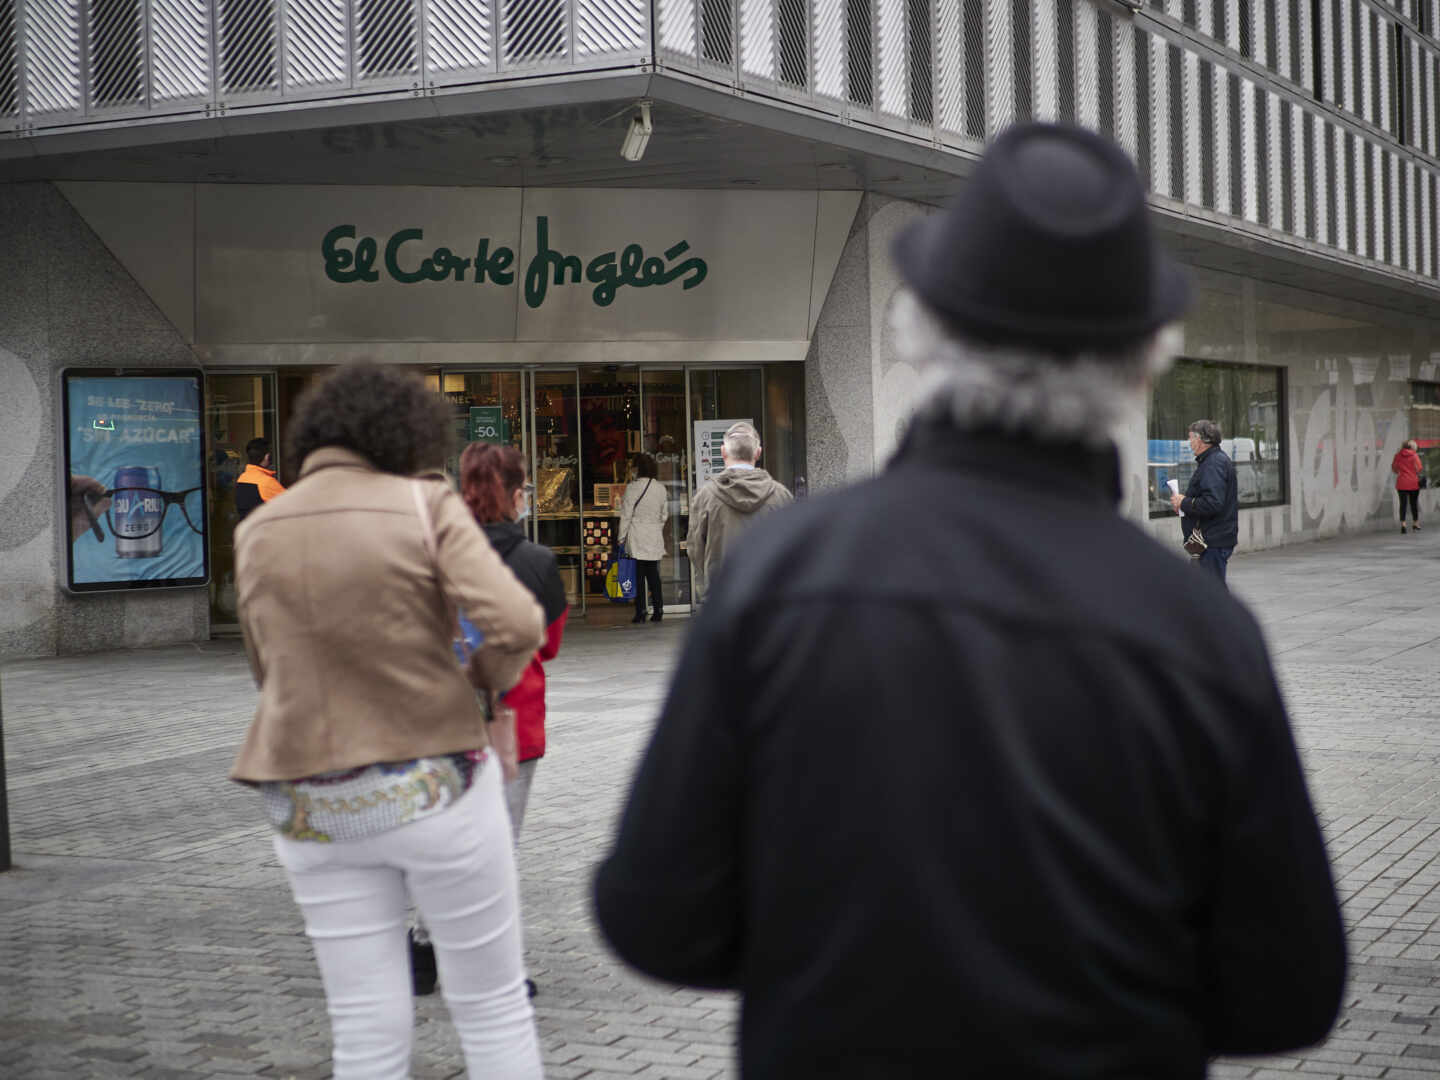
(1049, 245)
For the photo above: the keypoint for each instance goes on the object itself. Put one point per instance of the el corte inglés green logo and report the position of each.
(404, 262)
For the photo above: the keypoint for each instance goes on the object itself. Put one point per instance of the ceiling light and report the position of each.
(637, 134)
(744, 180)
(503, 161)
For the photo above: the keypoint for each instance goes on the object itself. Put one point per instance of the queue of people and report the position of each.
(1019, 781)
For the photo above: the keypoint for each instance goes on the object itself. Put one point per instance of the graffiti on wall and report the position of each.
(1347, 442)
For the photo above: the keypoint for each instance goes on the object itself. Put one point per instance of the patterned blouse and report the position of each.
(353, 804)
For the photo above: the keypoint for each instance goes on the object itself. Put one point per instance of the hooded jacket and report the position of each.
(1407, 468)
(723, 509)
(254, 486)
(535, 566)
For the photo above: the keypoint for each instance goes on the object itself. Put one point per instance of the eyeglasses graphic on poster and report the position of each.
(134, 498)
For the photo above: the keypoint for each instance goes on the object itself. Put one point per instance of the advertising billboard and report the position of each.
(133, 498)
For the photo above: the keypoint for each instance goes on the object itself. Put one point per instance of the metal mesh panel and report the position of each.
(1280, 40)
(1022, 41)
(179, 50)
(315, 47)
(1064, 38)
(1322, 220)
(1000, 69)
(830, 48)
(1303, 31)
(1122, 63)
(1427, 222)
(1047, 62)
(1274, 142)
(532, 31)
(894, 83)
(950, 66)
(860, 52)
(52, 56)
(1144, 103)
(1260, 38)
(458, 36)
(1415, 78)
(1295, 169)
(922, 63)
(603, 27)
(717, 32)
(791, 23)
(1190, 121)
(9, 77)
(247, 45)
(1203, 106)
(1087, 66)
(677, 25)
(385, 36)
(1161, 175)
(116, 76)
(757, 38)
(975, 90)
(1381, 37)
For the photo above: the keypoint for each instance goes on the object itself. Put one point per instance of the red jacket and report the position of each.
(1407, 469)
(535, 566)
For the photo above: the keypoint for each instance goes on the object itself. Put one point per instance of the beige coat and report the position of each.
(348, 622)
(724, 507)
(643, 513)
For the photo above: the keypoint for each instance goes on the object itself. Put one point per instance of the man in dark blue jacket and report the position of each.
(1212, 502)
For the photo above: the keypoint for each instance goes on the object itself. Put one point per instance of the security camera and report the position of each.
(637, 135)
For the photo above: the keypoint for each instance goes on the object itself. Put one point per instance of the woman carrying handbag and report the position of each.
(643, 513)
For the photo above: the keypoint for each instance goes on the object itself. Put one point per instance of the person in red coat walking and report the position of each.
(1407, 468)
(492, 483)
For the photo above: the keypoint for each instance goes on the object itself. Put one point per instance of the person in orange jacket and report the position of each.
(257, 484)
(1407, 468)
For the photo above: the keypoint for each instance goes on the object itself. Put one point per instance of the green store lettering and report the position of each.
(348, 260)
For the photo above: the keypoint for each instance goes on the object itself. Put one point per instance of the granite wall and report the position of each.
(67, 302)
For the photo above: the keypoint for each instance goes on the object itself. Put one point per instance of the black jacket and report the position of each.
(947, 791)
(532, 563)
(1212, 500)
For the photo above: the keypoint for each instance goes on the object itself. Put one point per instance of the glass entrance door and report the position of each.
(238, 408)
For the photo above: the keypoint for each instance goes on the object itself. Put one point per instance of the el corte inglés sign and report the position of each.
(350, 260)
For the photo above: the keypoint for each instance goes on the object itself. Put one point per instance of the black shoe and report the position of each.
(656, 617)
(530, 990)
(423, 974)
(639, 617)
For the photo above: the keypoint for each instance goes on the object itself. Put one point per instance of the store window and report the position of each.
(1425, 423)
(1246, 400)
(238, 408)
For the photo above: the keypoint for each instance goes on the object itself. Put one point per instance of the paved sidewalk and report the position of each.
(148, 931)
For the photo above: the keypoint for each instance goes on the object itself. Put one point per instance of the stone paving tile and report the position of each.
(148, 930)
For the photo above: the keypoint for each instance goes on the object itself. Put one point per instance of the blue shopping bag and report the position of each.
(620, 579)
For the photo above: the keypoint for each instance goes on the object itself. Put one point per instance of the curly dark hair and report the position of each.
(385, 414)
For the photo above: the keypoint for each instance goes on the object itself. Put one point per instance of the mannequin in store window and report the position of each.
(643, 513)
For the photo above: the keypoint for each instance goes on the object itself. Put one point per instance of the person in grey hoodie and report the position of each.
(729, 503)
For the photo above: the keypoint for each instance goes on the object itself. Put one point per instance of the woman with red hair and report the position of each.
(492, 483)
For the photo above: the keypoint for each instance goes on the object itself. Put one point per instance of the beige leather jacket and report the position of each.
(348, 621)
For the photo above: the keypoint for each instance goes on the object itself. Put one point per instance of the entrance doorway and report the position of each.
(579, 428)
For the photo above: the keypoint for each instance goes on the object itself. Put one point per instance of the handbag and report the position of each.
(1195, 543)
(1423, 480)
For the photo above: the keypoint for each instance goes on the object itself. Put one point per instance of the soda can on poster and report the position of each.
(137, 512)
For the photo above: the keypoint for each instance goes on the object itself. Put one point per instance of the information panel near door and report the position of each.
(134, 481)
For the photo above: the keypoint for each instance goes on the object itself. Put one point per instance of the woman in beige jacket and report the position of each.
(368, 745)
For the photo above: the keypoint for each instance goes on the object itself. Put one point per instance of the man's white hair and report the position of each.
(1042, 394)
(742, 442)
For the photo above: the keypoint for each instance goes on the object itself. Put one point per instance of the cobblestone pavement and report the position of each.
(147, 930)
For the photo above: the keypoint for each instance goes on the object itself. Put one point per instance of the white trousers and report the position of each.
(459, 867)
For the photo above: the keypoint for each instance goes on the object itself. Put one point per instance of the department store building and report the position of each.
(260, 189)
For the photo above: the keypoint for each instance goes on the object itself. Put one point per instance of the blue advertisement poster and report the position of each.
(134, 467)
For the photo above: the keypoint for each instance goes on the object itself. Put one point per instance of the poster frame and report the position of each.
(63, 473)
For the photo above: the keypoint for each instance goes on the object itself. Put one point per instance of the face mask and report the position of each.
(523, 514)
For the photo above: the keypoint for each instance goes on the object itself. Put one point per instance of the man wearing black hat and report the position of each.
(961, 773)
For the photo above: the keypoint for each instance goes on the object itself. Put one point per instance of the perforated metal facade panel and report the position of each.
(1216, 99)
